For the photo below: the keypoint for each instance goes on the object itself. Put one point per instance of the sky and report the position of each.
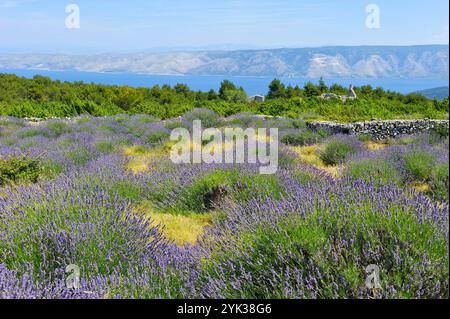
(39, 26)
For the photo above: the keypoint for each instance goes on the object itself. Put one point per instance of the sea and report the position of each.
(252, 84)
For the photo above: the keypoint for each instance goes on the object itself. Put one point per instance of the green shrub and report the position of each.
(105, 147)
(406, 140)
(377, 170)
(136, 130)
(18, 169)
(174, 125)
(50, 168)
(205, 191)
(337, 151)
(105, 128)
(8, 142)
(84, 119)
(157, 137)
(147, 119)
(301, 138)
(323, 133)
(58, 128)
(441, 131)
(419, 164)
(299, 124)
(440, 182)
(304, 176)
(209, 190)
(32, 133)
(249, 187)
(364, 137)
(80, 156)
(127, 189)
(207, 117)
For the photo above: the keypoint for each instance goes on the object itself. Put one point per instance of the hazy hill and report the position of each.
(427, 62)
(435, 93)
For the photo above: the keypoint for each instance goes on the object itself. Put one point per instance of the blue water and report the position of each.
(253, 85)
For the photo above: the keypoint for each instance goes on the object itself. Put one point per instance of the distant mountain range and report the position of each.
(435, 93)
(384, 62)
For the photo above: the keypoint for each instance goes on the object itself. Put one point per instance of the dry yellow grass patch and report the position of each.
(140, 157)
(138, 165)
(421, 187)
(335, 171)
(182, 229)
(374, 146)
(310, 155)
(135, 150)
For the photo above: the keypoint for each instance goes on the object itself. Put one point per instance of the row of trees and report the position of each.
(42, 97)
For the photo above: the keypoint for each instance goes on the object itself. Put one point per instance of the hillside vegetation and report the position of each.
(41, 97)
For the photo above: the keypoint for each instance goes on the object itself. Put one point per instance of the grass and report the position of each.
(374, 146)
(311, 155)
(421, 187)
(181, 229)
(140, 157)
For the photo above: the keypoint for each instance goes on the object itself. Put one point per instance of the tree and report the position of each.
(290, 92)
(182, 89)
(338, 89)
(224, 87)
(322, 86)
(229, 92)
(311, 89)
(276, 90)
(212, 95)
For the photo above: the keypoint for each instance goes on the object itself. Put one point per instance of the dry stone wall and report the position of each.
(382, 129)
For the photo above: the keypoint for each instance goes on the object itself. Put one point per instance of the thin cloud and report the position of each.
(9, 4)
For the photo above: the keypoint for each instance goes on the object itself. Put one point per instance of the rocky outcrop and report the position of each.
(380, 130)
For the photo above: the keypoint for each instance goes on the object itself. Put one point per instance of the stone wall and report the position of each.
(380, 130)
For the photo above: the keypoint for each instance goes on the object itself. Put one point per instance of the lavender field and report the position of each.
(102, 194)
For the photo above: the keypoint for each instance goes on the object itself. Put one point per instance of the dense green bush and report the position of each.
(376, 170)
(301, 138)
(207, 191)
(440, 182)
(58, 128)
(419, 164)
(441, 131)
(106, 147)
(207, 117)
(337, 151)
(157, 137)
(18, 169)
